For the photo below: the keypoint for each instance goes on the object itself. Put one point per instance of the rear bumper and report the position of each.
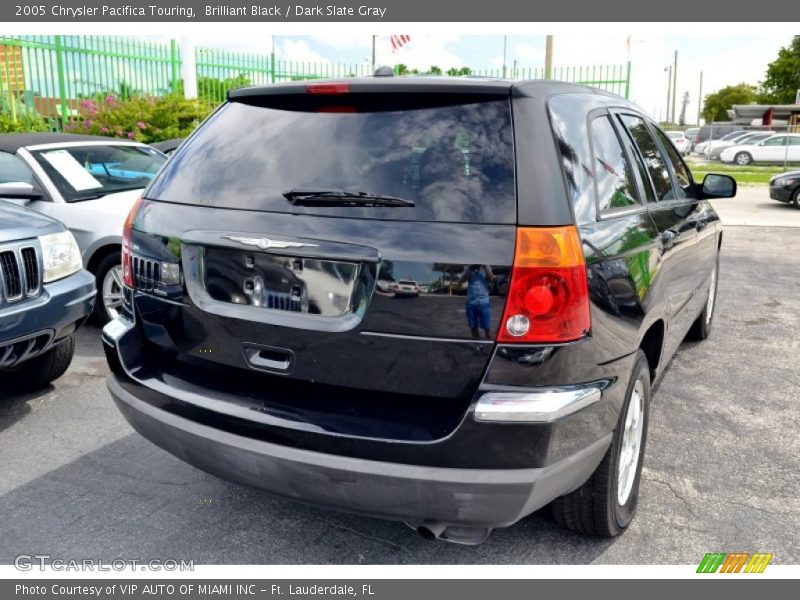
(465, 497)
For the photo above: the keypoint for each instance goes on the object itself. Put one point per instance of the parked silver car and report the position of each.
(87, 182)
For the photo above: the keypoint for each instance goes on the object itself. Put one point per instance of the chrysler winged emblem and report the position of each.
(266, 243)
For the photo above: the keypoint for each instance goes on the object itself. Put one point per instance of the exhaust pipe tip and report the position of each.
(431, 530)
(436, 530)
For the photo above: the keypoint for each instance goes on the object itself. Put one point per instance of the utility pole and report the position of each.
(373, 55)
(505, 47)
(674, 84)
(700, 99)
(548, 57)
(669, 91)
(272, 61)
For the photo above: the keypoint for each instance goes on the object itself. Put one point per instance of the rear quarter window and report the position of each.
(455, 162)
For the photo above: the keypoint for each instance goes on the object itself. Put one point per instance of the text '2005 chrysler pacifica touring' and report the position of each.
(560, 250)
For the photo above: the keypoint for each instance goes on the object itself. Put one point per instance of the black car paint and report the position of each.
(399, 386)
(784, 193)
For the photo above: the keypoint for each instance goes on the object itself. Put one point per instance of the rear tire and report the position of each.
(796, 198)
(701, 328)
(743, 159)
(605, 505)
(38, 372)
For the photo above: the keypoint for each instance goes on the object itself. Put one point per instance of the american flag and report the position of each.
(398, 41)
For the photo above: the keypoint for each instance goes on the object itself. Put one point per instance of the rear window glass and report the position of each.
(456, 163)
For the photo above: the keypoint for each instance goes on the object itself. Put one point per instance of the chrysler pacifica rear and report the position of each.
(542, 251)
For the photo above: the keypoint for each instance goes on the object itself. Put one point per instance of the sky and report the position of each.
(724, 59)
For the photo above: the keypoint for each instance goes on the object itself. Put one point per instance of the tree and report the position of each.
(783, 75)
(434, 70)
(717, 105)
(402, 69)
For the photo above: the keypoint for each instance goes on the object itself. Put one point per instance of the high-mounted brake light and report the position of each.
(548, 299)
(323, 89)
(127, 261)
(337, 109)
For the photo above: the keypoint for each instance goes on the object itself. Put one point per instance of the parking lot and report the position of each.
(721, 470)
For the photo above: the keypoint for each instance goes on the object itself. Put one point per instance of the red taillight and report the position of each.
(127, 262)
(548, 299)
(328, 88)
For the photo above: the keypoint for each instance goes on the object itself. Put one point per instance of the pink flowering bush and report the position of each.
(142, 118)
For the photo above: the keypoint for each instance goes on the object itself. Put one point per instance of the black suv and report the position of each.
(559, 251)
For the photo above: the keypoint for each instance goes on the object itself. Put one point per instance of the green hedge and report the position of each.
(24, 122)
(141, 118)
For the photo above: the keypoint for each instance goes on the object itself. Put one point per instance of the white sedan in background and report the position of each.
(680, 140)
(715, 148)
(89, 183)
(775, 149)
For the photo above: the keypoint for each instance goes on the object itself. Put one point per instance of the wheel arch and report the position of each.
(652, 344)
(100, 251)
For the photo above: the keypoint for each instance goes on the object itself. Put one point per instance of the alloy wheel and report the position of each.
(631, 444)
(112, 291)
(712, 295)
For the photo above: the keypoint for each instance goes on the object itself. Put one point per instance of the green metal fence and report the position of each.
(611, 78)
(49, 76)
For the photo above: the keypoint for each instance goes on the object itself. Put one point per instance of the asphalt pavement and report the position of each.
(721, 468)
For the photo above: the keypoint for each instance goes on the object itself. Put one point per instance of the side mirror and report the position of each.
(19, 190)
(719, 186)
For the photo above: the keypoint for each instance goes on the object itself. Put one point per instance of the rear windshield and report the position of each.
(454, 162)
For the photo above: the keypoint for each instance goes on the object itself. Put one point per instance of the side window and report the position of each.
(794, 141)
(653, 160)
(678, 167)
(13, 169)
(616, 186)
(776, 141)
(644, 178)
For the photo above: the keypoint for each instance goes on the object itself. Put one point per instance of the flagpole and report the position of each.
(373, 55)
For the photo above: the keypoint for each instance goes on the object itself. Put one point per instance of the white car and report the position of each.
(737, 139)
(89, 183)
(715, 148)
(680, 140)
(701, 147)
(776, 149)
(406, 287)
